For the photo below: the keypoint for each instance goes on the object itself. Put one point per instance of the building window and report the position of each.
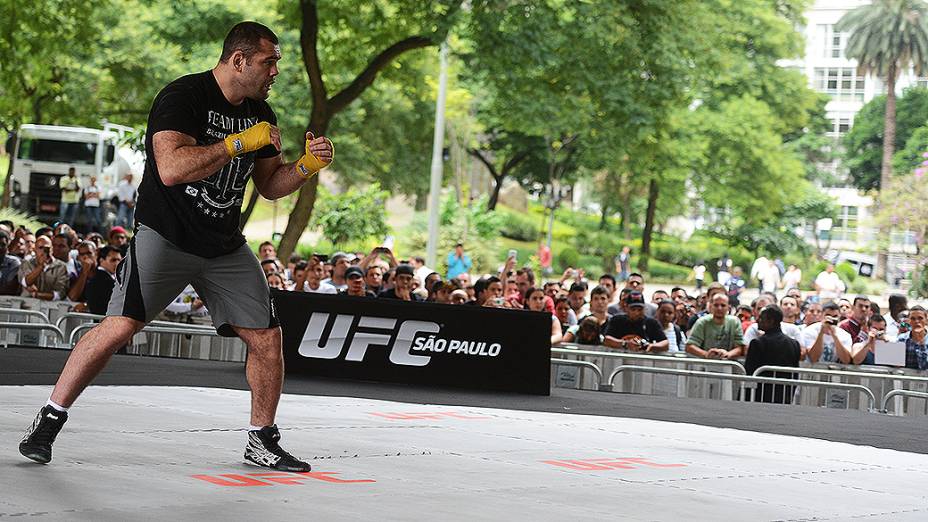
(846, 226)
(840, 124)
(833, 42)
(841, 83)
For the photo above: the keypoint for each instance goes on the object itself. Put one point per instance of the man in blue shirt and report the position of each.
(458, 262)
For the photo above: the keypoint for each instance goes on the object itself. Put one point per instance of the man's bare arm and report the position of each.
(181, 160)
(275, 179)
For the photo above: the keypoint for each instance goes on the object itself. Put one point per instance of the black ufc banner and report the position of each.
(415, 343)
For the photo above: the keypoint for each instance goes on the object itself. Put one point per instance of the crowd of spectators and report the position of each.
(60, 264)
(617, 312)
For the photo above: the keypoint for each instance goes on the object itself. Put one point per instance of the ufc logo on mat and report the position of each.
(274, 478)
(606, 464)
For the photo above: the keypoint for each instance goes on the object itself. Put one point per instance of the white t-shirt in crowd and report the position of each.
(338, 288)
(829, 354)
(91, 196)
(671, 335)
(324, 288)
(830, 285)
(125, 191)
(699, 272)
(771, 278)
(792, 278)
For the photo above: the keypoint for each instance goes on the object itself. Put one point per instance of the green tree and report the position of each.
(336, 59)
(863, 144)
(352, 216)
(887, 38)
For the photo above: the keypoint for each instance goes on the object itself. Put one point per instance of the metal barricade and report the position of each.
(35, 326)
(583, 364)
(148, 329)
(880, 392)
(25, 313)
(95, 317)
(749, 378)
(668, 386)
(900, 393)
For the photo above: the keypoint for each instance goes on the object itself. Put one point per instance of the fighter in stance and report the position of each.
(208, 133)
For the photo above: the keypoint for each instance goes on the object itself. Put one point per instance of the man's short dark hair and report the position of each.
(5, 235)
(860, 298)
(301, 265)
(877, 318)
(831, 305)
(481, 285)
(773, 312)
(528, 273)
(896, 301)
(578, 287)
(8, 223)
(246, 37)
(675, 289)
(106, 251)
(609, 277)
(599, 290)
(263, 243)
(295, 258)
(419, 259)
(635, 274)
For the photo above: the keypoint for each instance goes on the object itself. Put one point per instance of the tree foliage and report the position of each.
(863, 144)
(354, 215)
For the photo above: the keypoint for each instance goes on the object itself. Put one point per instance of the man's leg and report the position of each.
(85, 362)
(90, 356)
(264, 371)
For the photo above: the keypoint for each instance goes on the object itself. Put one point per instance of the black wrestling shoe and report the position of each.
(262, 450)
(37, 444)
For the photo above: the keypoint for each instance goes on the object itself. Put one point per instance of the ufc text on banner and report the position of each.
(416, 343)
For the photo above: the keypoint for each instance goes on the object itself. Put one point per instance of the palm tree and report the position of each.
(887, 37)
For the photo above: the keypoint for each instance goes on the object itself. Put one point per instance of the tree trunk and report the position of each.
(645, 254)
(246, 214)
(7, 180)
(886, 170)
(494, 195)
(604, 217)
(627, 211)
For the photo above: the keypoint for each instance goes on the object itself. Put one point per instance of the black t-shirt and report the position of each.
(98, 290)
(649, 329)
(202, 217)
(391, 294)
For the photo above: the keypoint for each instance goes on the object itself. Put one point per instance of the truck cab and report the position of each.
(42, 154)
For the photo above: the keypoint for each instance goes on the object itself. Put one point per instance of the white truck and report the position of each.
(42, 154)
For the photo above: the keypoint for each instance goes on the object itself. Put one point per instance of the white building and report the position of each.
(831, 72)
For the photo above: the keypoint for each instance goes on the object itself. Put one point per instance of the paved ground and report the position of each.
(173, 453)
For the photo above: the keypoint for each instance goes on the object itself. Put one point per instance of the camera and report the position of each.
(831, 320)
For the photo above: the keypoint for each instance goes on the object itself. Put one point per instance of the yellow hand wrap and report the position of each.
(309, 164)
(250, 139)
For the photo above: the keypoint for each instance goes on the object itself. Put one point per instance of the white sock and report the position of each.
(56, 406)
(255, 428)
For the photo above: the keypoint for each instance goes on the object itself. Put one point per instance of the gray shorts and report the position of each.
(155, 271)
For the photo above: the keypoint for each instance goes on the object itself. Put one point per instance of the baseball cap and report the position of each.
(405, 269)
(634, 299)
(353, 271)
(117, 230)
